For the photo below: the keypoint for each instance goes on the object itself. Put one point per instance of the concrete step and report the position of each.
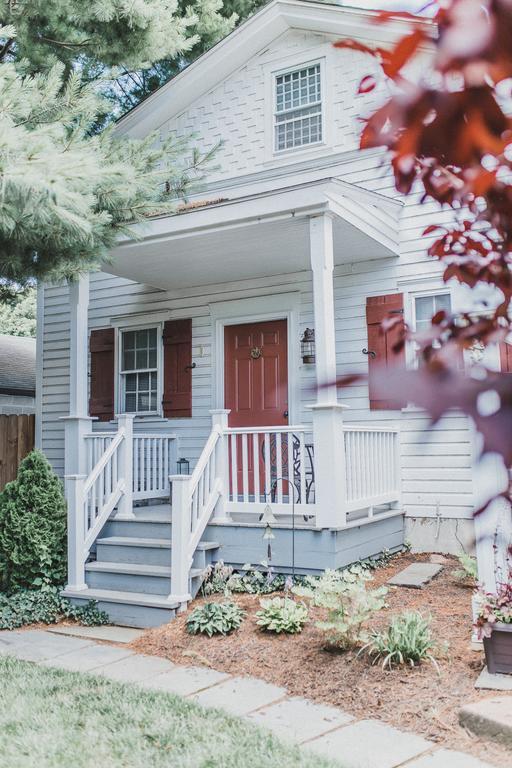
(128, 609)
(134, 549)
(147, 526)
(135, 577)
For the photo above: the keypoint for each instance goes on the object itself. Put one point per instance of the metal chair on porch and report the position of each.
(295, 475)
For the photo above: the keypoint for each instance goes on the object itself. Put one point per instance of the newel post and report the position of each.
(220, 421)
(125, 465)
(329, 442)
(181, 533)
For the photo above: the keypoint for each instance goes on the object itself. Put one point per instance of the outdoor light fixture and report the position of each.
(307, 346)
(183, 466)
(269, 519)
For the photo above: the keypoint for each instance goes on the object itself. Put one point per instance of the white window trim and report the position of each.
(118, 388)
(410, 313)
(291, 64)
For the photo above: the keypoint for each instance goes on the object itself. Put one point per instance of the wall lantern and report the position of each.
(307, 346)
(183, 466)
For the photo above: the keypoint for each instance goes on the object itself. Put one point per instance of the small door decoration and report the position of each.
(256, 353)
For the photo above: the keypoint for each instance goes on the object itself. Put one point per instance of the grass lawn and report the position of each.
(51, 718)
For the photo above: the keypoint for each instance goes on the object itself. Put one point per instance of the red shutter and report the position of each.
(102, 349)
(380, 343)
(506, 357)
(177, 399)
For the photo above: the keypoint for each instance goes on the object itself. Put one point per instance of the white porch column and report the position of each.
(330, 478)
(220, 420)
(181, 531)
(125, 507)
(77, 425)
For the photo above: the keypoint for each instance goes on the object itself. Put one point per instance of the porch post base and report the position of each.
(330, 484)
(220, 422)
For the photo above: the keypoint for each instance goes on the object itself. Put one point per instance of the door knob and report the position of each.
(285, 414)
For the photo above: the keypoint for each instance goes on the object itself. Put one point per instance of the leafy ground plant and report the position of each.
(282, 614)
(468, 570)
(349, 604)
(55, 719)
(222, 579)
(30, 606)
(214, 619)
(407, 640)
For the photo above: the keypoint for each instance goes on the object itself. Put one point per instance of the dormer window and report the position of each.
(298, 108)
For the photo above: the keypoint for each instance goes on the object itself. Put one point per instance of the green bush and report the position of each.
(407, 640)
(349, 604)
(32, 527)
(468, 570)
(282, 615)
(29, 606)
(214, 619)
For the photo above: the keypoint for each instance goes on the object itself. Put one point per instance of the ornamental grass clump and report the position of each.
(214, 619)
(349, 604)
(407, 640)
(282, 615)
(32, 527)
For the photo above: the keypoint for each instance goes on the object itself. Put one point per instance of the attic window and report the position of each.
(298, 108)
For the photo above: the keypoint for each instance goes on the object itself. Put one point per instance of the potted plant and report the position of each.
(494, 625)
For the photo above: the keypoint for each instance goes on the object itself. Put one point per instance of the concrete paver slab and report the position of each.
(370, 744)
(185, 680)
(136, 668)
(489, 719)
(110, 633)
(35, 645)
(416, 575)
(445, 758)
(240, 695)
(88, 659)
(296, 719)
(493, 682)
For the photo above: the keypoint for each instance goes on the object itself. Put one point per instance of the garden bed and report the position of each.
(423, 699)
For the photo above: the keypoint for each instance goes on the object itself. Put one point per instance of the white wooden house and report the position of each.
(189, 344)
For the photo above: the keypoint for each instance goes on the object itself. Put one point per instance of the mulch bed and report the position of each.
(422, 699)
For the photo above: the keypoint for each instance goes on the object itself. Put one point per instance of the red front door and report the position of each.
(255, 390)
(256, 374)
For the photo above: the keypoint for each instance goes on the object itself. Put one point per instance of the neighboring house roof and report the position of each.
(17, 365)
(246, 41)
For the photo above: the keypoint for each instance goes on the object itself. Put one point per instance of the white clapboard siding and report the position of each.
(235, 111)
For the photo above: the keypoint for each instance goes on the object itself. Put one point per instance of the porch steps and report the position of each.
(131, 576)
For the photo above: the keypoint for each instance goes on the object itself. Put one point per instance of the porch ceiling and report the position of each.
(255, 236)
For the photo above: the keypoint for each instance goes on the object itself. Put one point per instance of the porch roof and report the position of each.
(257, 234)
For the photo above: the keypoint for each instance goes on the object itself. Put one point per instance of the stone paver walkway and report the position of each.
(326, 730)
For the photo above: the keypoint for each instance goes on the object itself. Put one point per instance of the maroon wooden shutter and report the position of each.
(102, 349)
(506, 357)
(177, 399)
(381, 344)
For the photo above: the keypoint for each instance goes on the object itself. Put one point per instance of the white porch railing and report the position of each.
(271, 464)
(154, 459)
(372, 461)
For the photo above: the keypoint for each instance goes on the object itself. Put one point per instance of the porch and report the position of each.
(322, 479)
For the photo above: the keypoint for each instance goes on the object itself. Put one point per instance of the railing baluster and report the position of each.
(245, 468)
(256, 465)
(302, 467)
(234, 467)
(279, 467)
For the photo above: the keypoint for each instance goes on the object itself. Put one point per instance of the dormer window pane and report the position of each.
(298, 108)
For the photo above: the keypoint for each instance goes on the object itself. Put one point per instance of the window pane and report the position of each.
(141, 359)
(130, 382)
(152, 357)
(130, 402)
(443, 301)
(143, 381)
(128, 360)
(424, 309)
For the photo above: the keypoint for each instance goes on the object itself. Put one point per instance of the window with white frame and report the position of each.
(298, 108)
(139, 371)
(424, 307)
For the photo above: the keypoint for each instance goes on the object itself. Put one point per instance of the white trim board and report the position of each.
(279, 306)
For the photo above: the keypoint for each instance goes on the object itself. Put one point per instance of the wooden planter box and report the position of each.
(498, 650)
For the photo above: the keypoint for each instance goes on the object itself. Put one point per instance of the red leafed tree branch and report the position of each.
(449, 136)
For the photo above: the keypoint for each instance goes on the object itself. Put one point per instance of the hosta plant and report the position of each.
(407, 640)
(349, 604)
(214, 619)
(282, 614)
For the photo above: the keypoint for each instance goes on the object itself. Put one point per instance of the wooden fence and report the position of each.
(16, 440)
